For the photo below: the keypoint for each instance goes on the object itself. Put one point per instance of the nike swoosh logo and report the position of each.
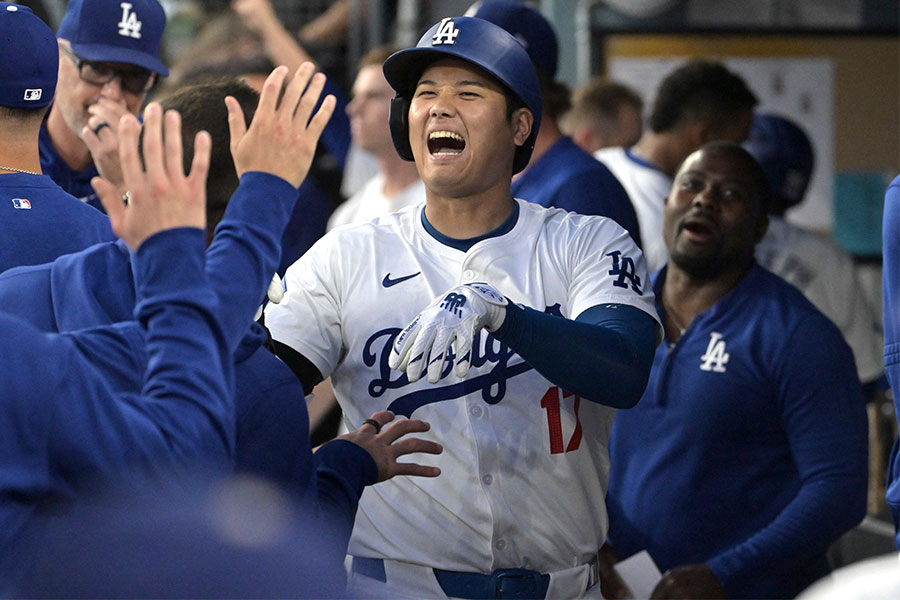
(388, 282)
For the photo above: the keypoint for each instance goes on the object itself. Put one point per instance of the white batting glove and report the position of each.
(452, 319)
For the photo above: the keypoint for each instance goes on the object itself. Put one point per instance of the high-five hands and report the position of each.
(385, 449)
(282, 138)
(161, 196)
(452, 320)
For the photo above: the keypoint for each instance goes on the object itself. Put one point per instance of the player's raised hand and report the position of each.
(282, 137)
(385, 448)
(452, 320)
(161, 195)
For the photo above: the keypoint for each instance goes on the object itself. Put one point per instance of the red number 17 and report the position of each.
(551, 401)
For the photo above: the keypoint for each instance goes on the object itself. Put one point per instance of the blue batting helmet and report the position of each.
(785, 153)
(476, 41)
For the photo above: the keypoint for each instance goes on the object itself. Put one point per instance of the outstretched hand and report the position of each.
(384, 448)
(161, 196)
(282, 138)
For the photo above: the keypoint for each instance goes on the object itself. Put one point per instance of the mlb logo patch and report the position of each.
(33, 94)
(21, 203)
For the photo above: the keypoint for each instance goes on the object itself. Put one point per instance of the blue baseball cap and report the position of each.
(785, 153)
(29, 58)
(528, 26)
(121, 32)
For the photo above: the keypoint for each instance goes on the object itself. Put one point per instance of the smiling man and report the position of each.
(108, 60)
(746, 457)
(537, 325)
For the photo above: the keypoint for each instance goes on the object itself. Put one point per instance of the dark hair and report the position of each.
(202, 108)
(700, 90)
(761, 185)
(10, 113)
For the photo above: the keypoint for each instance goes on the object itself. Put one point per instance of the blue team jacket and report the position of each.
(748, 449)
(39, 221)
(65, 428)
(96, 287)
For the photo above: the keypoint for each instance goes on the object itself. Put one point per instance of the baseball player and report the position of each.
(108, 60)
(891, 304)
(64, 429)
(95, 287)
(479, 299)
(38, 220)
(698, 102)
(604, 113)
(746, 457)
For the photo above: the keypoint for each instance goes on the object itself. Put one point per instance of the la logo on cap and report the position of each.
(129, 26)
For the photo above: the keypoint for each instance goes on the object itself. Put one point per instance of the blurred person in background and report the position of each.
(604, 113)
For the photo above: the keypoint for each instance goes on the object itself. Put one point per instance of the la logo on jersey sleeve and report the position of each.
(623, 269)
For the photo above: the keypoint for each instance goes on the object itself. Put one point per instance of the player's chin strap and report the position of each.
(274, 293)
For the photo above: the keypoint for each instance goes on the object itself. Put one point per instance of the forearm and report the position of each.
(815, 518)
(608, 344)
(282, 48)
(187, 396)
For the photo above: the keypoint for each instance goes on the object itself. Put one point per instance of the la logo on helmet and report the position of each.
(446, 33)
(129, 26)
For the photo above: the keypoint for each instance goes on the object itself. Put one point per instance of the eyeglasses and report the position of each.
(134, 81)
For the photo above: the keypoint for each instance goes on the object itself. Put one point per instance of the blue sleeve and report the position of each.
(824, 416)
(247, 241)
(273, 440)
(184, 414)
(611, 342)
(343, 469)
(891, 317)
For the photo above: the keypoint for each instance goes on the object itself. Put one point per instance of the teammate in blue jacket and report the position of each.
(64, 429)
(891, 304)
(746, 457)
(38, 220)
(96, 287)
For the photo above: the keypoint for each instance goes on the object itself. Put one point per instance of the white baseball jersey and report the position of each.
(827, 277)
(370, 202)
(525, 464)
(647, 187)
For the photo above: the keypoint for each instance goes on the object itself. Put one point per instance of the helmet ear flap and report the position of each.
(398, 120)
